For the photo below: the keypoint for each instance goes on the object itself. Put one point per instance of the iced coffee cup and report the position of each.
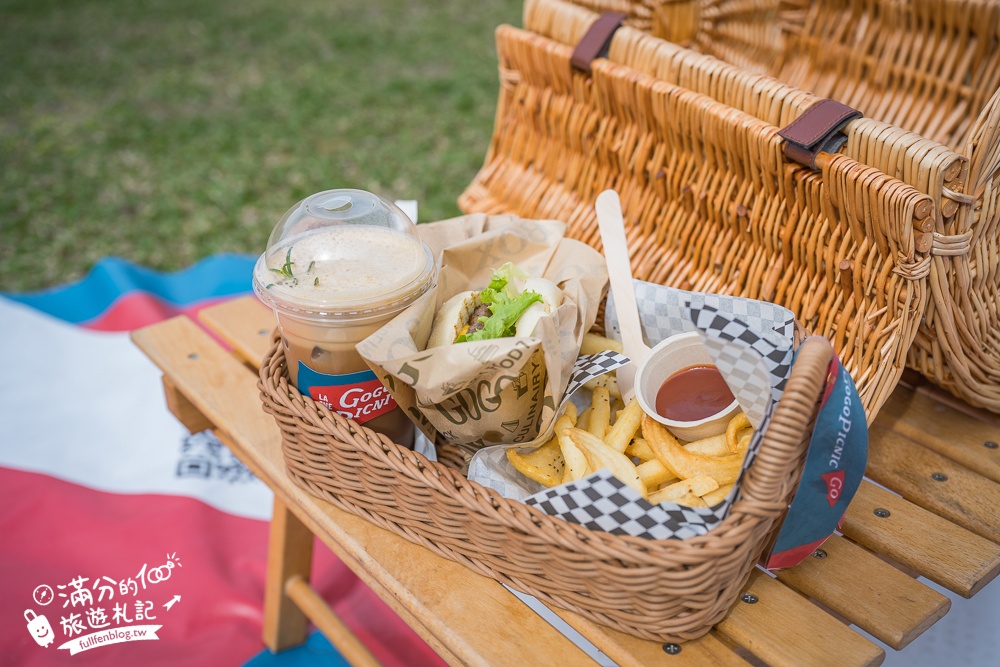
(339, 265)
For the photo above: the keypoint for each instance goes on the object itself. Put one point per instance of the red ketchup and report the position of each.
(692, 394)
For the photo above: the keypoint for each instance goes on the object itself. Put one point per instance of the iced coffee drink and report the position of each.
(339, 265)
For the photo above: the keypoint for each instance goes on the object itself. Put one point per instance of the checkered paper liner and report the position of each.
(663, 312)
(603, 502)
(588, 367)
(751, 344)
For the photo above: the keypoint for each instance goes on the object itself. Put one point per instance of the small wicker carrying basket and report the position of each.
(710, 202)
(665, 590)
(931, 68)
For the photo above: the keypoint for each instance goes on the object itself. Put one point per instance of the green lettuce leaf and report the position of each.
(505, 304)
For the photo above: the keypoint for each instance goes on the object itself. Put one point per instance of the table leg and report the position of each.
(289, 554)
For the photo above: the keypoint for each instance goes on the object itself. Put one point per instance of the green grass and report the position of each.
(164, 131)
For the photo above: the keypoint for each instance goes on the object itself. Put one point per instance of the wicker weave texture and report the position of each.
(929, 71)
(710, 204)
(929, 66)
(667, 590)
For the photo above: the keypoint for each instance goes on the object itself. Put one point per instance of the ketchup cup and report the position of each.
(675, 354)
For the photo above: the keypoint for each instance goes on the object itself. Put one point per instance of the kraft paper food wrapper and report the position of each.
(750, 342)
(494, 391)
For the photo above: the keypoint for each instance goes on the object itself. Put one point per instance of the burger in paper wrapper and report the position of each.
(511, 305)
(493, 375)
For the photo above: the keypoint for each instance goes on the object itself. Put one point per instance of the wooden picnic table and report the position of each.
(931, 507)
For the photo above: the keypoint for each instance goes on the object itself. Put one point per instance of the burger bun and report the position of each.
(551, 300)
(451, 318)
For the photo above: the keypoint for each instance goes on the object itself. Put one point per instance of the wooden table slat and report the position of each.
(943, 429)
(963, 496)
(785, 629)
(629, 651)
(246, 324)
(867, 591)
(936, 548)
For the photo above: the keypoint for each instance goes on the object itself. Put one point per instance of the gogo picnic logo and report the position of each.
(834, 486)
(359, 396)
(99, 611)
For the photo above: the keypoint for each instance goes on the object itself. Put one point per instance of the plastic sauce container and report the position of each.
(676, 354)
(339, 265)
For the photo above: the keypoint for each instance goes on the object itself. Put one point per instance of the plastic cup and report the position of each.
(339, 265)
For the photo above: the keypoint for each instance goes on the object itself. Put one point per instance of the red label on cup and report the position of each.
(358, 396)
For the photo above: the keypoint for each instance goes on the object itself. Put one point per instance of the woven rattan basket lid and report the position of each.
(932, 121)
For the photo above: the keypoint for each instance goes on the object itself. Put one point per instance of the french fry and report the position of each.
(713, 498)
(639, 448)
(603, 456)
(736, 424)
(696, 486)
(653, 474)
(743, 444)
(702, 485)
(713, 446)
(694, 474)
(691, 500)
(670, 493)
(625, 426)
(565, 420)
(545, 465)
(685, 464)
(592, 344)
(609, 381)
(570, 413)
(577, 464)
(600, 414)
(613, 387)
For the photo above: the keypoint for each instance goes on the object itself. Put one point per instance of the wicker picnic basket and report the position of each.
(666, 590)
(930, 68)
(710, 202)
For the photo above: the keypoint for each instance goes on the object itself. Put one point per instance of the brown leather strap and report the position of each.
(596, 41)
(816, 131)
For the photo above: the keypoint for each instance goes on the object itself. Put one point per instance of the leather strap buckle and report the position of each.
(596, 41)
(818, 130)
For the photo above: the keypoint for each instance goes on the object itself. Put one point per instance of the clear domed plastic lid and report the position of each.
(343, 254)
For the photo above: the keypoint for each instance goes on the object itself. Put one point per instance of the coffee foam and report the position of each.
(347, 264)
